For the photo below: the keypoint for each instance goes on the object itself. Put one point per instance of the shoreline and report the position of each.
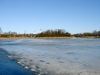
(36, 37)
(46, 37)
(57, 37)
(13, 38)
(11, 67)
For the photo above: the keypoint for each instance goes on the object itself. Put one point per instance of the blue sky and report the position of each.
(75, 16)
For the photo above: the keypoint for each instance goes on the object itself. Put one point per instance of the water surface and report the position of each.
(77, 56)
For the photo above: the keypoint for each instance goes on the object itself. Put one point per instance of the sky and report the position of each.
(34, 16)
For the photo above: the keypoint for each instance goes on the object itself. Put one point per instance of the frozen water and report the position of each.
(56, 56)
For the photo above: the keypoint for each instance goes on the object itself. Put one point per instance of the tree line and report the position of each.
(63, 33)
(88, 34)
(54, 33)
(50, 33)
(10, 34)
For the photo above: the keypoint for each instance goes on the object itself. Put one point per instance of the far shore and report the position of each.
(2, 38)
(12, 38)
(56, 37)
(68, 37)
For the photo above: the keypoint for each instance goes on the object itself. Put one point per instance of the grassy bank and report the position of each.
(3, 38)
(56, 37)
(90, 37)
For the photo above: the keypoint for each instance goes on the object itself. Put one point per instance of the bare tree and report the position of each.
(98, 33)
(95, 33)
(0, 32)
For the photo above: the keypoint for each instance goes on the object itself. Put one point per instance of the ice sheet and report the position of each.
(57, 56)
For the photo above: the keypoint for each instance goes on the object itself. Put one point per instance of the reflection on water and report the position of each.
(57, 56)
